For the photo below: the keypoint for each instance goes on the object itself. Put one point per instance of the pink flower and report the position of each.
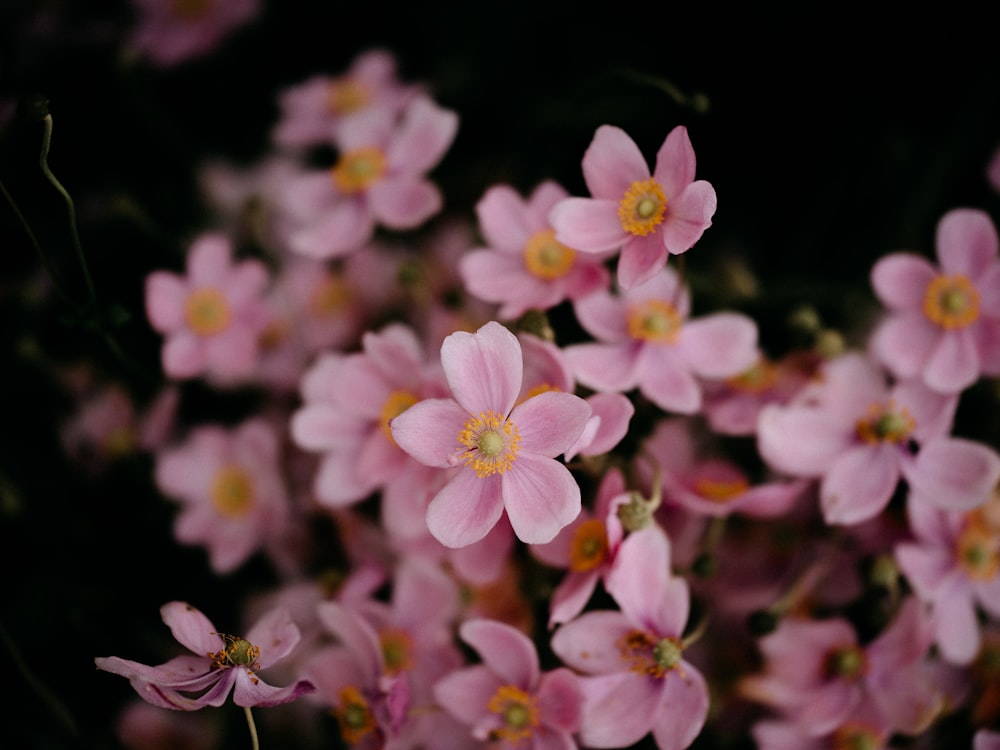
(943, 324)
(640, 681)
(523, 266)
(508, 698)
(169, 32)
(233, 496)
(507, 451)
(211, 318)
(645, 340)
(378, 180)
(221, 663)
(646, 216)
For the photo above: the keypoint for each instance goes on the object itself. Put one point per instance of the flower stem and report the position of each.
(255, 743)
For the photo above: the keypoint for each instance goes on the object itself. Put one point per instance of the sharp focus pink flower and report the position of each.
(168, 32)
(507, 697)
(378, 180)
(211, 318)
(508, 452)
(647, 216)
(646, 340)
(221, 663)
(524, 266)
(943, 324)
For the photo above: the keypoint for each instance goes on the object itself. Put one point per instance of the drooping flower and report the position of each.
(523, 266)
(221, 664)
(943, 324)
(213, 317)
(507, 451)
(646, 216)
(508, 698)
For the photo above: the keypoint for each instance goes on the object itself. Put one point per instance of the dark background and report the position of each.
(832, 138)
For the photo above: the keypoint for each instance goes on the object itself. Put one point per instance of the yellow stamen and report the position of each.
(519, 712)
(330, 296)
(649, 655)
(232, 492)
(589, 545)
(847, 663)
(885, 423)
(855, 735)
(359, 169)
(978, 547)
(395, 404)
(238, 652)
(721, 491)
(654, 320)
(547, 258)
(951, 301)
(758, 379)
(491, 443)
(346, 96)
(642, 207)
(207, 311)
(353, 715)
(397, 650)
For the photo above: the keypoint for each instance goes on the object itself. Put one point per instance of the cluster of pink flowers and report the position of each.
(650, 528)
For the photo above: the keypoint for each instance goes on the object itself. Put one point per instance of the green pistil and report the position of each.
(490, 443)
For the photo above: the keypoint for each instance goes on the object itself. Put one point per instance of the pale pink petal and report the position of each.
(429, 430)
(404, 202)
(612, 162)
(504, 221)
(925, 568)
(986, 334)
(505, 650)
(613, 413)
(191, 628)
(560, 700)
(320, 427)
(254, 691)
(232, 354)
(465, 693)
(665, 379)
(966, 242)
(859, 484)
(900, 280)
(903, 342)
(484, 369)
(619, 709)
(588, 224)
(588, 643)
(275, 634)
(684, 708)
(799, 441)
(342, 229)
(688, 216)
(540, 496)
(166, 294)
(495, 277)
(641, 583)
(424, 135)
(675, 162)
(541, 201)
(209, 260)
(604, 316)
(954, 362)
(642, 257)
(571, 596)
(465, 509)
(483, 562)
(719, 345)
(550, 422)
(958, 634)
(953, 474)
(182, 355)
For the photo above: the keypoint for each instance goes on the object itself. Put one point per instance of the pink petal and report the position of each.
(641, 583)
(505, 650)
(604, 316)
(903, 342)
(588, 643)
(605, 367)
(665, 379)
(611, 163)
(953, 474)
(641, 259)
(465, 693)
(255, 692)
(799, 441)
(587, 224)
(540, 496)
(209, 260)
(684, 708)
(571, 596)
(504, 221)
(966, 242)
(675, 162)
(560, 700)
(424, 135)
(719, 345)
(900, 280)
(191, 628)
(550, 422)
(342, 229)
(320, 427)
(429, 430)
(275, 634)
(465, 509)
(620, 709)
(859, 484)
(954, 362)
(688, 216)
(404, 202)
(613, 412)
(182, 355)
(166, 294)
(483, 369)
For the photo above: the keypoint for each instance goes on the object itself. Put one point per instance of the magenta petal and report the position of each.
(484, 369)
(505, 650)
(540, 496)
(429, 430)
(550, 422)
(641, 259)
(465, 509)
(675, 162)
(191, 628)
(684, 708)
(966, 242)
(859, 484)
(404, 202)
(900, 280)
(953, 474)
(588, 224)
(612, 162)
(688, 216)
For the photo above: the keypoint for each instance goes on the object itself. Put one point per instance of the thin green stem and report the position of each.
(255, 743)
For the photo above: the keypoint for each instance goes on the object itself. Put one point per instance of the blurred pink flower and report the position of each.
(169, 32)
(647, 217)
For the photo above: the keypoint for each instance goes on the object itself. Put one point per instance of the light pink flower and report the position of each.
(221, 663)
(647, 216)
(378, 180)
(169, 32)
(523, 266)
(507, 697)
(229, 484)
(645, 340)
(943, 324)
(639, 680)
(211, 318)
(507, 451)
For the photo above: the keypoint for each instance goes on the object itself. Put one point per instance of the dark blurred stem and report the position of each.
(253, 728)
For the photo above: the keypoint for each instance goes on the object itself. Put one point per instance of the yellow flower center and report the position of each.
(848, 663)
(358, 169)
(951, 301)
(353, 715)
(397, 650)
(330, 296)
(396, 403)
(642, 207)
(855, 735)
(649, 655)
(347, 96)
(190, 10)
(547, 258)
(655, 321)
(885, 423)
(589, 545)
(519, 712)
(491, 443)
(238, 652)
(720, 490)
(758, 379)
(207, 311)
(978, 547)
(232, 492)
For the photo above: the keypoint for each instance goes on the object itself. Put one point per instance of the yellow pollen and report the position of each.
(490, 442)
(758, 379)
(353, 715)
(547, 258)
(656, 321)
(238, 652)
(359, 169)
(885, 423)
(978, 547)
(642, 207)
(331, 296)
(207, 311)
(347, 96)
(397, 650)
(396, 403)
(649, 655)
(519, 712)
(589, 545)
(951, 301)
(720, 491)
(232, 492)
(848, 663)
